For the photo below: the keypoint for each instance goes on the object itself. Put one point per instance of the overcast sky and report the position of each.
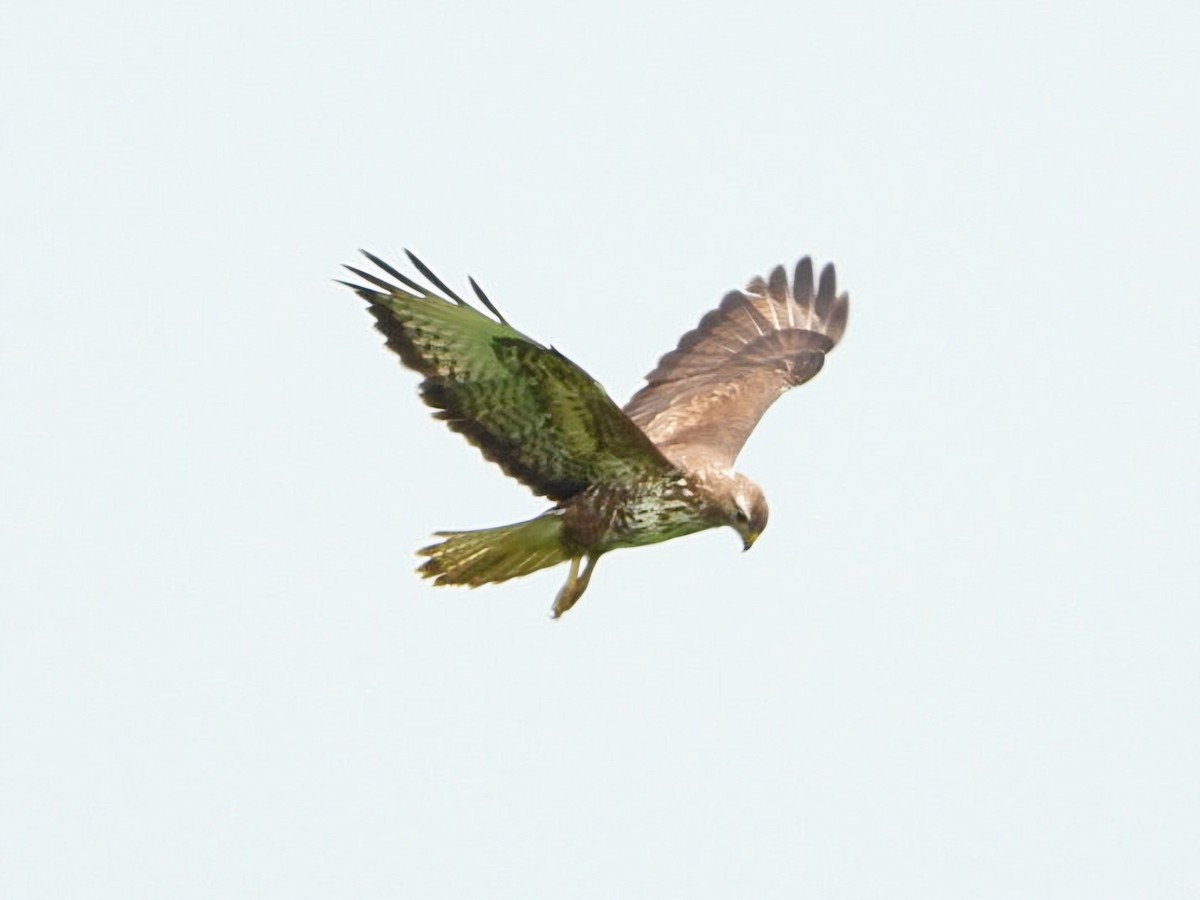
(962, 661)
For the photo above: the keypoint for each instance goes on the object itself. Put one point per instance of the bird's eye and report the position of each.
(741, 517)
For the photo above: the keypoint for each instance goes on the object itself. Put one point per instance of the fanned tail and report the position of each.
(495, 554)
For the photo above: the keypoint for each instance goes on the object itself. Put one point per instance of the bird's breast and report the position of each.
(607, 517)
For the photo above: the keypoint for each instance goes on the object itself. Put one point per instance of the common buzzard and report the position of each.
(660, 468)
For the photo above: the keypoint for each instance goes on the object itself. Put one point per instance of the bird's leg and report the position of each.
(586, 576)
(575, 586)
(566, 597)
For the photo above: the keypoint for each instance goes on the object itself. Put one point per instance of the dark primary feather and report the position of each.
(433, 279)
(704, 398)
(528, 408)
(484, 299)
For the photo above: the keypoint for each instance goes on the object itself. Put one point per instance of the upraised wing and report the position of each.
(704, 398)
(528, 408)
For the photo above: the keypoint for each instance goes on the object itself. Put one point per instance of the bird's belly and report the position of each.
(608, 522)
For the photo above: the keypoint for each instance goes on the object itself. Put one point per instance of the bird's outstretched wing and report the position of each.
(704, 398)
(528, 408)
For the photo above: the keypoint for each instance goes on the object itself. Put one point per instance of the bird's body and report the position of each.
(610, 517)
(659, 469)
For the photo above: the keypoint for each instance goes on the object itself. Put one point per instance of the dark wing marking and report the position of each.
(704, 398)
(528, 408)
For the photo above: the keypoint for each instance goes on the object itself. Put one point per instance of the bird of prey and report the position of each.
(658, 468)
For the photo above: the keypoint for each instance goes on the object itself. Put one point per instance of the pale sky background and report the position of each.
(962, 662)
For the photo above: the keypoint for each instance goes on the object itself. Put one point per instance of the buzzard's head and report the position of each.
(748, 512)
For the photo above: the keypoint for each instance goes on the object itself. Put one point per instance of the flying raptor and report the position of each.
(659, 468)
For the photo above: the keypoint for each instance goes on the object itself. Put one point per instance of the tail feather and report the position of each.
(495, 554)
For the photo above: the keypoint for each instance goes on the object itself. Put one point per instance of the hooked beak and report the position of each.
(748, 540)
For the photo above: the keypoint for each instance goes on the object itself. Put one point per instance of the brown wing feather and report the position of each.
(704, 397)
